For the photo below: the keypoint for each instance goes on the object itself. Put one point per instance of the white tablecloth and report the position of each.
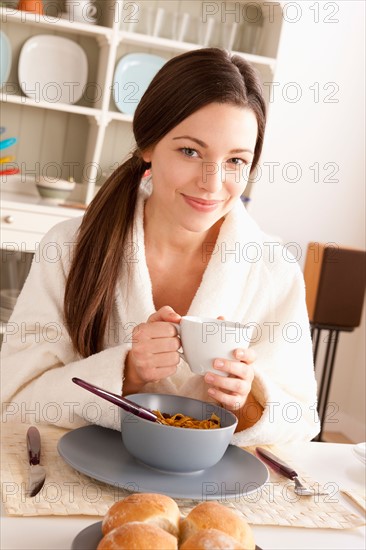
(325, 462)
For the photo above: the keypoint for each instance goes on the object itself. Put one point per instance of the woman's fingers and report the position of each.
(230, 401)
(248, 356)
(155, 343)
(165, 313)
(148, 360)
(225, 388)
(228, 383)
(164, 345)
(158, 329)
(231, 390)
(233, 368)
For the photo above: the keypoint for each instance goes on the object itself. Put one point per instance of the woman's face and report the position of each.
(201, 166)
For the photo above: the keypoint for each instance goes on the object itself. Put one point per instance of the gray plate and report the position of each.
(100, 454)
(89, 538)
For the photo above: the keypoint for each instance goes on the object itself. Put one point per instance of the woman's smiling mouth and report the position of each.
(202, 205)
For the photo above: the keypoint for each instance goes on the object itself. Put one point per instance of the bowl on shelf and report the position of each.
(54, 190)
(173, 449)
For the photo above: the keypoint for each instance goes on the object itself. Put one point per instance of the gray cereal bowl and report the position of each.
(172, 449)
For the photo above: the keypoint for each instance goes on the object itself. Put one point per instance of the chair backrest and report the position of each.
(335, 280)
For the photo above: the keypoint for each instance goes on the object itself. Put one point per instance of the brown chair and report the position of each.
(335, 279)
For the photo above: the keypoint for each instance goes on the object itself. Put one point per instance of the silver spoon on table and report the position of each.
(282, 468)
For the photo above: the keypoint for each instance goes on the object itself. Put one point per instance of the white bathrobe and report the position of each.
(249, 279)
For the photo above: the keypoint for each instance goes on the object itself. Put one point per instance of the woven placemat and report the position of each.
(67, 492)
(357, 498)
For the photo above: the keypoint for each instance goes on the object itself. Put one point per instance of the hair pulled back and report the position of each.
(183, 85)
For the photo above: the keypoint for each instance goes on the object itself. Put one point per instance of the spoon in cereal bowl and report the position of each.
(122, 402)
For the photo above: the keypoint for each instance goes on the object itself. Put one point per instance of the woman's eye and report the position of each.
(237, 161)
(189, 152)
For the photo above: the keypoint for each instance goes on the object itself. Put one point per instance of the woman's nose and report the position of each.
(211, 177)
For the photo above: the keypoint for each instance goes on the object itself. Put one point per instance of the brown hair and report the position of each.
(185, 84)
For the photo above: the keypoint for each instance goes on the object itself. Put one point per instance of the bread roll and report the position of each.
(212, 515)
(155, 509)
(137, 535)
(211, 539)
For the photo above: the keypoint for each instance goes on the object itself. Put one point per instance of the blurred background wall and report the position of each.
(316, 132)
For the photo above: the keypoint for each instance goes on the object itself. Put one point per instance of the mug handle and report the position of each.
(181, 355)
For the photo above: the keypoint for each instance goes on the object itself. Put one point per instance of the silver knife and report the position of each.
(37, 473)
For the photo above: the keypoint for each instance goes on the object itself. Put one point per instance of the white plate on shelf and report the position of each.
(360, 452)
(5, 58)
(52, 69)
(132, 76)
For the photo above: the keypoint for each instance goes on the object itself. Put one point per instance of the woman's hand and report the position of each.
(154, 354)
(232, 391)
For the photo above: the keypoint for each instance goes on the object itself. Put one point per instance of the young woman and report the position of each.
(104, 290)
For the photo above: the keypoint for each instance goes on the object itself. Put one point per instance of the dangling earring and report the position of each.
(147, 172)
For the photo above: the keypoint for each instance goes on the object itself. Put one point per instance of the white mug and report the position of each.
(81, 10)
(205, 339)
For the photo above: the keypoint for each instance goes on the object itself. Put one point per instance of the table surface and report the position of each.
(325, 462)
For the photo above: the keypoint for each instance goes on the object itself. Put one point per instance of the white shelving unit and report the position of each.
(87, 140)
